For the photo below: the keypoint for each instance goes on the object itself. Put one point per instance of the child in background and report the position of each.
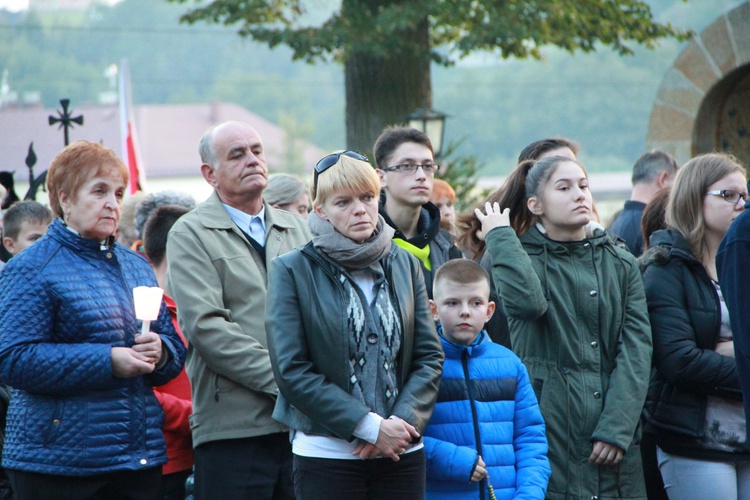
(174, 396)
(487, 428)
(23, 224)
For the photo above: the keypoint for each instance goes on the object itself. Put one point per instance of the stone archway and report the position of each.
(703, 103)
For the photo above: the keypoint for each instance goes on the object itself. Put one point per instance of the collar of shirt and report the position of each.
(107, 243)
(243, 219)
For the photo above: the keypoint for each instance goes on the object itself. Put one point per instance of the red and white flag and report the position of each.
(130, 153)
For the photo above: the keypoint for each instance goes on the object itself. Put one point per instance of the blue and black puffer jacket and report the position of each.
(486, 406)
(64, 303)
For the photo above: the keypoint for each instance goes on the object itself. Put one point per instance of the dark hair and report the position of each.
(392, 137)
(467, 223)
(24, 212)
(537, 148)
(527, 179)
(156, 230)
(654, 215)
(8, 182)
(651, 164)
(148, 205)
(461, 271)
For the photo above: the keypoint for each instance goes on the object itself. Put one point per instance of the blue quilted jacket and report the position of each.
(485, 403)
(64, 303)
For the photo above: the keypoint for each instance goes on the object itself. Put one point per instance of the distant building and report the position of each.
(167, 134)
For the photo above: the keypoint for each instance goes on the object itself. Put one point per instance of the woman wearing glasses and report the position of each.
(695, 403)
(353, 346)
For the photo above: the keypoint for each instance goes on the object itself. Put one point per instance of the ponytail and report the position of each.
(526, 180)
(514, 197)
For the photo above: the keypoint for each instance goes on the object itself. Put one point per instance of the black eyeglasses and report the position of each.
(410, 168)
(729, 195)
(330, 160)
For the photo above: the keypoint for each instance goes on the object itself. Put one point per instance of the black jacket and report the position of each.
(441, 244)
(306, 322)
(685, 315)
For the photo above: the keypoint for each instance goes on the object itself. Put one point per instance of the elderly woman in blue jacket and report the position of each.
(83, 420)
(353, 348)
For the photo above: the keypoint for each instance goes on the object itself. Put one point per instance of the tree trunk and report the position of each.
(383, 90)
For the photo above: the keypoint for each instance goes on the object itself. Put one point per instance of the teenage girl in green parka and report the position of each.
(578, 319)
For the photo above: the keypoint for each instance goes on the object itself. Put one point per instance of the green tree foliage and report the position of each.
(386, 45)
(462, 173)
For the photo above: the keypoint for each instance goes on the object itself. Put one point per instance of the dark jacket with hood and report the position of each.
(429, 233)
(686, 323)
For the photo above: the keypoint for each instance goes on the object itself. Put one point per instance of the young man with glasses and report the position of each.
(406, 166)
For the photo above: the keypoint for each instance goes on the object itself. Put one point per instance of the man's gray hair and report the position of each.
(651, 164)
(206, 147)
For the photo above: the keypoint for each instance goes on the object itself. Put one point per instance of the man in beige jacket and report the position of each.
(217, 258)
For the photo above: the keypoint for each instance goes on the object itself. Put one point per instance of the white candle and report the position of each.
(147, 301)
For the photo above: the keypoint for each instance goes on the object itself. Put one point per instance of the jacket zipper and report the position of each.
(474, 417)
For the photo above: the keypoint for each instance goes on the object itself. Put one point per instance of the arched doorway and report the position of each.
(703, 103)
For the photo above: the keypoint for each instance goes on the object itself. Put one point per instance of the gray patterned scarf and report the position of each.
(345, 251)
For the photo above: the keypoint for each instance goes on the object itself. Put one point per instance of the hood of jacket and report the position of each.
(665, 244)
(428, 226)
(536, 242)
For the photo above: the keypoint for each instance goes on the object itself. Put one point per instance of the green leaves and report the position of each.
(509, 28)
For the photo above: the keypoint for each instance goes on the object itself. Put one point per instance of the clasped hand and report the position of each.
(140, 359)
(479, 472)
(394, 437)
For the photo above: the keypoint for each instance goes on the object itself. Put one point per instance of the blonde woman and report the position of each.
(353, 346)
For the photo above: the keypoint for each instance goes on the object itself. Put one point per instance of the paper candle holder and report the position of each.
(147, 300)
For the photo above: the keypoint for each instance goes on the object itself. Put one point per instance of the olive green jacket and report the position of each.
(219, 284)
(579, 321)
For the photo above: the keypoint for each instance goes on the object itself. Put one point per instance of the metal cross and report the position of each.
(66, 119)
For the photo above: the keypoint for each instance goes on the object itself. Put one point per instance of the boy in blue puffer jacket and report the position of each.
(486, 432)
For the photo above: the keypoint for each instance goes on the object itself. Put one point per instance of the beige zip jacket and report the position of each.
(219, 284)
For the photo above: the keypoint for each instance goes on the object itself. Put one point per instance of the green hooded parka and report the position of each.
(579, 321)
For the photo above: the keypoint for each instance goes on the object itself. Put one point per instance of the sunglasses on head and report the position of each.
(330, 160)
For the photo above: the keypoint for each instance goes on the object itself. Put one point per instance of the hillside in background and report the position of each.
(601, 100)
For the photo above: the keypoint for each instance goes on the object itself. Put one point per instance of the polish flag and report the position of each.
(130, 152)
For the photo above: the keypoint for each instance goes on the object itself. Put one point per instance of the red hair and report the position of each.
(75, 165)
(441, 189)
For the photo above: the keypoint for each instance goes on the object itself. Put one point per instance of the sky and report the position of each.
(14, 4)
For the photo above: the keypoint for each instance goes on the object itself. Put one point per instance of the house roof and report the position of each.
(167, 136)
